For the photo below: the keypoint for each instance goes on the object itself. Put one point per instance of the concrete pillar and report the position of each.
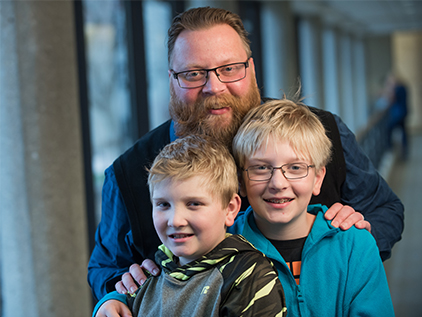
(330, 70)
(309, 31)
(279, 56)
(347, 110)
(43, 227)
(359, 84)
(407, 63)
(378, 65)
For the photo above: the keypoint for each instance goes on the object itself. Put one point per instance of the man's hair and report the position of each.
(195, 156)
(283, 120)
(204, 18)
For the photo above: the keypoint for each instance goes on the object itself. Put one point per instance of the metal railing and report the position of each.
(373, 138)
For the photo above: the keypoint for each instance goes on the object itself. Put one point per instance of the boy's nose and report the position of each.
(278, 180)
(177, 219)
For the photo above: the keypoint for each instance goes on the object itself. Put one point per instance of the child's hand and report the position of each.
(113, 308)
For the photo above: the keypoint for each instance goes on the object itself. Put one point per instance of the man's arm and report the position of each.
(368, 193)
(112, 255)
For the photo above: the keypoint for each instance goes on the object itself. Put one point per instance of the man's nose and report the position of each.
(213, 85)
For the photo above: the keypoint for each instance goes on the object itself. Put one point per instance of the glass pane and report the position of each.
(108, 86)
(157, 18)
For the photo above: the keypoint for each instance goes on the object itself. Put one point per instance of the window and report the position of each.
(110, 117)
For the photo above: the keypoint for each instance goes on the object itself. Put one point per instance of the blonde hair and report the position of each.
(284, 120)
(203, 18)
(196, 156)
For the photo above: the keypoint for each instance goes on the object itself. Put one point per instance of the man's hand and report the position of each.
(136, 273)
(344, 217)
(113, 308)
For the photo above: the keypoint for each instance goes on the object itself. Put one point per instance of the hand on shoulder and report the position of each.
(344, 217)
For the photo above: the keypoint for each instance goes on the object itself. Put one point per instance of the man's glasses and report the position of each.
(290, 171)
(196, 78)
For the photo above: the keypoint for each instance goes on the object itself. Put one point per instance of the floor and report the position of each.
(404, 268)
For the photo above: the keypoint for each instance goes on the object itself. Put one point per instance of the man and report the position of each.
(213, 85)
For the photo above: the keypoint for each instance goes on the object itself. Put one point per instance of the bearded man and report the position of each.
(213, 85)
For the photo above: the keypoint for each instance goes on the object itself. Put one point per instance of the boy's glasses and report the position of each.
(290, 171)
(196, 78)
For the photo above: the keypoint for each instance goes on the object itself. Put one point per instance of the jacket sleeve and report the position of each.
(113, 295)
(367, 292)
(367, 192)
(112, 254)
(257, 291)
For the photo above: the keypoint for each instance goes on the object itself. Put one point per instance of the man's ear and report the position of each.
(233, 209)
(319, 178)
(252, 65)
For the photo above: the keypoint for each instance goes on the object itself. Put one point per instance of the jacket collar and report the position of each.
(231, 245)
(320, 229)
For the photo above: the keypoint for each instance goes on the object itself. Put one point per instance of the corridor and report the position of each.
(404, 268)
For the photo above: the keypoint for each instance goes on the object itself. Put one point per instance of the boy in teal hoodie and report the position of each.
(281, 151)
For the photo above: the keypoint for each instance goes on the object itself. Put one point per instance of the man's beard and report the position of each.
(196, 119)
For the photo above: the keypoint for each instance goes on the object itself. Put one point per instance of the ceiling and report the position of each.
(368, 16)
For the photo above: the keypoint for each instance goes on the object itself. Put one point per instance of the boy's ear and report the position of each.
(242, 188)
(319, 178)
(232, 209)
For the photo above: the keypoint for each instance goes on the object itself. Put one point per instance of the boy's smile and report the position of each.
(280, 204)
(189, 220)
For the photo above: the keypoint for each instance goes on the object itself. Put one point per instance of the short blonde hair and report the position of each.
(196, 156)
(288, 121)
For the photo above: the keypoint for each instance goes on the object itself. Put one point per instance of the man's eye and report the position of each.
(193, 75)
(231, 69)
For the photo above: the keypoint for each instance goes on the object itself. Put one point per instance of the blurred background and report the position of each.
(80, 81)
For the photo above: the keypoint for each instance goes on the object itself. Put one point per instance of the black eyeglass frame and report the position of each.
(176, 75)
(277, 168)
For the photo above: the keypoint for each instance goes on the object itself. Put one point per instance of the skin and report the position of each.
(189, 221)
(113, 308)
(192, 49)
(279, 204)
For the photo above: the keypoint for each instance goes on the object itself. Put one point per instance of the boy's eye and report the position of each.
(162, 204)
(194, 204)
(296, 167)
(260, 169)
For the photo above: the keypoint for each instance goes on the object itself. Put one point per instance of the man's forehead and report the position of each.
(208, 48)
